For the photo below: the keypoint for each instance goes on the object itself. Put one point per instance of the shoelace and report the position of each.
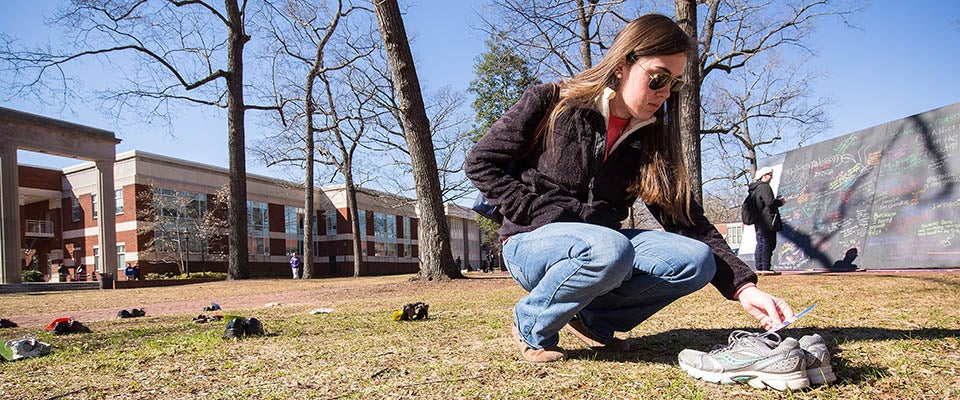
(771, 339)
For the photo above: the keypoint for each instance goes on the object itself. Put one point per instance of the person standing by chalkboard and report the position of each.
(768, 222)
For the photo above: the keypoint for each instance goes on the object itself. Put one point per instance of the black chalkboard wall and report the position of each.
(888, 194)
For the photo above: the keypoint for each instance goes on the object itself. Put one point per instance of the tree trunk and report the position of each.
(584, 23)
(358, 234)
(436, 260)
(308, 208)
(239, 254)
(690, 99)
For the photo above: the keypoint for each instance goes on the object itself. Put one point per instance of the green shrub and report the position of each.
(207, 275)
(192, 275)
(31, 275)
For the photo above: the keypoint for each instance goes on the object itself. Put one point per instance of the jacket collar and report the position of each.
(603, 104)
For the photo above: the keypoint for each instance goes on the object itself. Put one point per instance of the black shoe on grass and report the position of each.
(61, 328)
(77, 327)
(254, 327)
(236, 329)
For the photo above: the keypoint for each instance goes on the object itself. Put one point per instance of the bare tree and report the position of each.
(178, 48)
(436, 259)
(450, 132)
(558, 38)
(751, 113)
(736, 34)
(321, 44)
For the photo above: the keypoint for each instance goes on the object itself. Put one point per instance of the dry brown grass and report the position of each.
(893, 337)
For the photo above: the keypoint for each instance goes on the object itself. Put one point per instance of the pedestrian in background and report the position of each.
(767, 222)
(295, 265)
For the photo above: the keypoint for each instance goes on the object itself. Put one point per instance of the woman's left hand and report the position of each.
(767, 309)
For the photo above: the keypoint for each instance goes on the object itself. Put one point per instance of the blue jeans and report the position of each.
(612, 280)
(766, 242)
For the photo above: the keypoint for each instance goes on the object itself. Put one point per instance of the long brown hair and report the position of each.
(662, 178)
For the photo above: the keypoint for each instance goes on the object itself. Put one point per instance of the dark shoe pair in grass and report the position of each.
(239, 327)
(134, 313)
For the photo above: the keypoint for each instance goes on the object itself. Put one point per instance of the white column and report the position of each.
(9, 215)
(107, 218)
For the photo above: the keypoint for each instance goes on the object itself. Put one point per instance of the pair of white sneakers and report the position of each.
(24, 348)
(763, 360)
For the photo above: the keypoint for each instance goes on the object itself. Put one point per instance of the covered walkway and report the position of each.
(24, 131)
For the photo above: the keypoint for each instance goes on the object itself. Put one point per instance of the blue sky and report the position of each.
(901, 59)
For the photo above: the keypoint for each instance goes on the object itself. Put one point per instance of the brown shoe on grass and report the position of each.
(544, 355)
(583, 333)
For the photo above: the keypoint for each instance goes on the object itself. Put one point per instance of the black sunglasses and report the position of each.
(660, 80)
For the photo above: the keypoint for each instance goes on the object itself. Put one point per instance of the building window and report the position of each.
(118, 195)
(179, 218)
(121, 255)
(293, 220)
(385, 234)
(258, 225)
(96, 258)
(75, 208)
(407, 235)
(734, 235)
(293, 227)
(94, 199)
(362, 217)
(331, 222)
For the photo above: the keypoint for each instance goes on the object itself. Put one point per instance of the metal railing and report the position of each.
(39, 228)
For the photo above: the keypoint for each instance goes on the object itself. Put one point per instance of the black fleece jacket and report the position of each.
(768, 206)
(566, 179)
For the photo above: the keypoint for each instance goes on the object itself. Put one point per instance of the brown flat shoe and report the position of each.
(583, 333)
(544, 355)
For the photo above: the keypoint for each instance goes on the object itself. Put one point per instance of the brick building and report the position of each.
(59, 222)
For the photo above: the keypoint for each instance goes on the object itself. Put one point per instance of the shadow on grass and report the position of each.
(663, 347)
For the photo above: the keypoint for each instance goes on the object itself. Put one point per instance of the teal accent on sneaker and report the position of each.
(760, 360)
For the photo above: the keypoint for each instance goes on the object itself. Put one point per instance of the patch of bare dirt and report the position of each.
(38, 309)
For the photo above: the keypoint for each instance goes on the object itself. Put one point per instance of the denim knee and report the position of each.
(607, 258)
(701, 268)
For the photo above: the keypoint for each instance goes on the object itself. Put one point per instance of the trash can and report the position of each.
(106, 281)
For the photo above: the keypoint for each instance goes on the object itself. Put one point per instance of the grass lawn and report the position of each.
(892, 336)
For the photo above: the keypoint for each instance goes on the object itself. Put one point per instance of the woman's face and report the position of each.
(634, 98)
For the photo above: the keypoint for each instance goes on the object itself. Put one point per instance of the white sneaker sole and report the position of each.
(760, 380)
(821, 375)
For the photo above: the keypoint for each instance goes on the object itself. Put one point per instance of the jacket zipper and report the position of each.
(600, 145)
